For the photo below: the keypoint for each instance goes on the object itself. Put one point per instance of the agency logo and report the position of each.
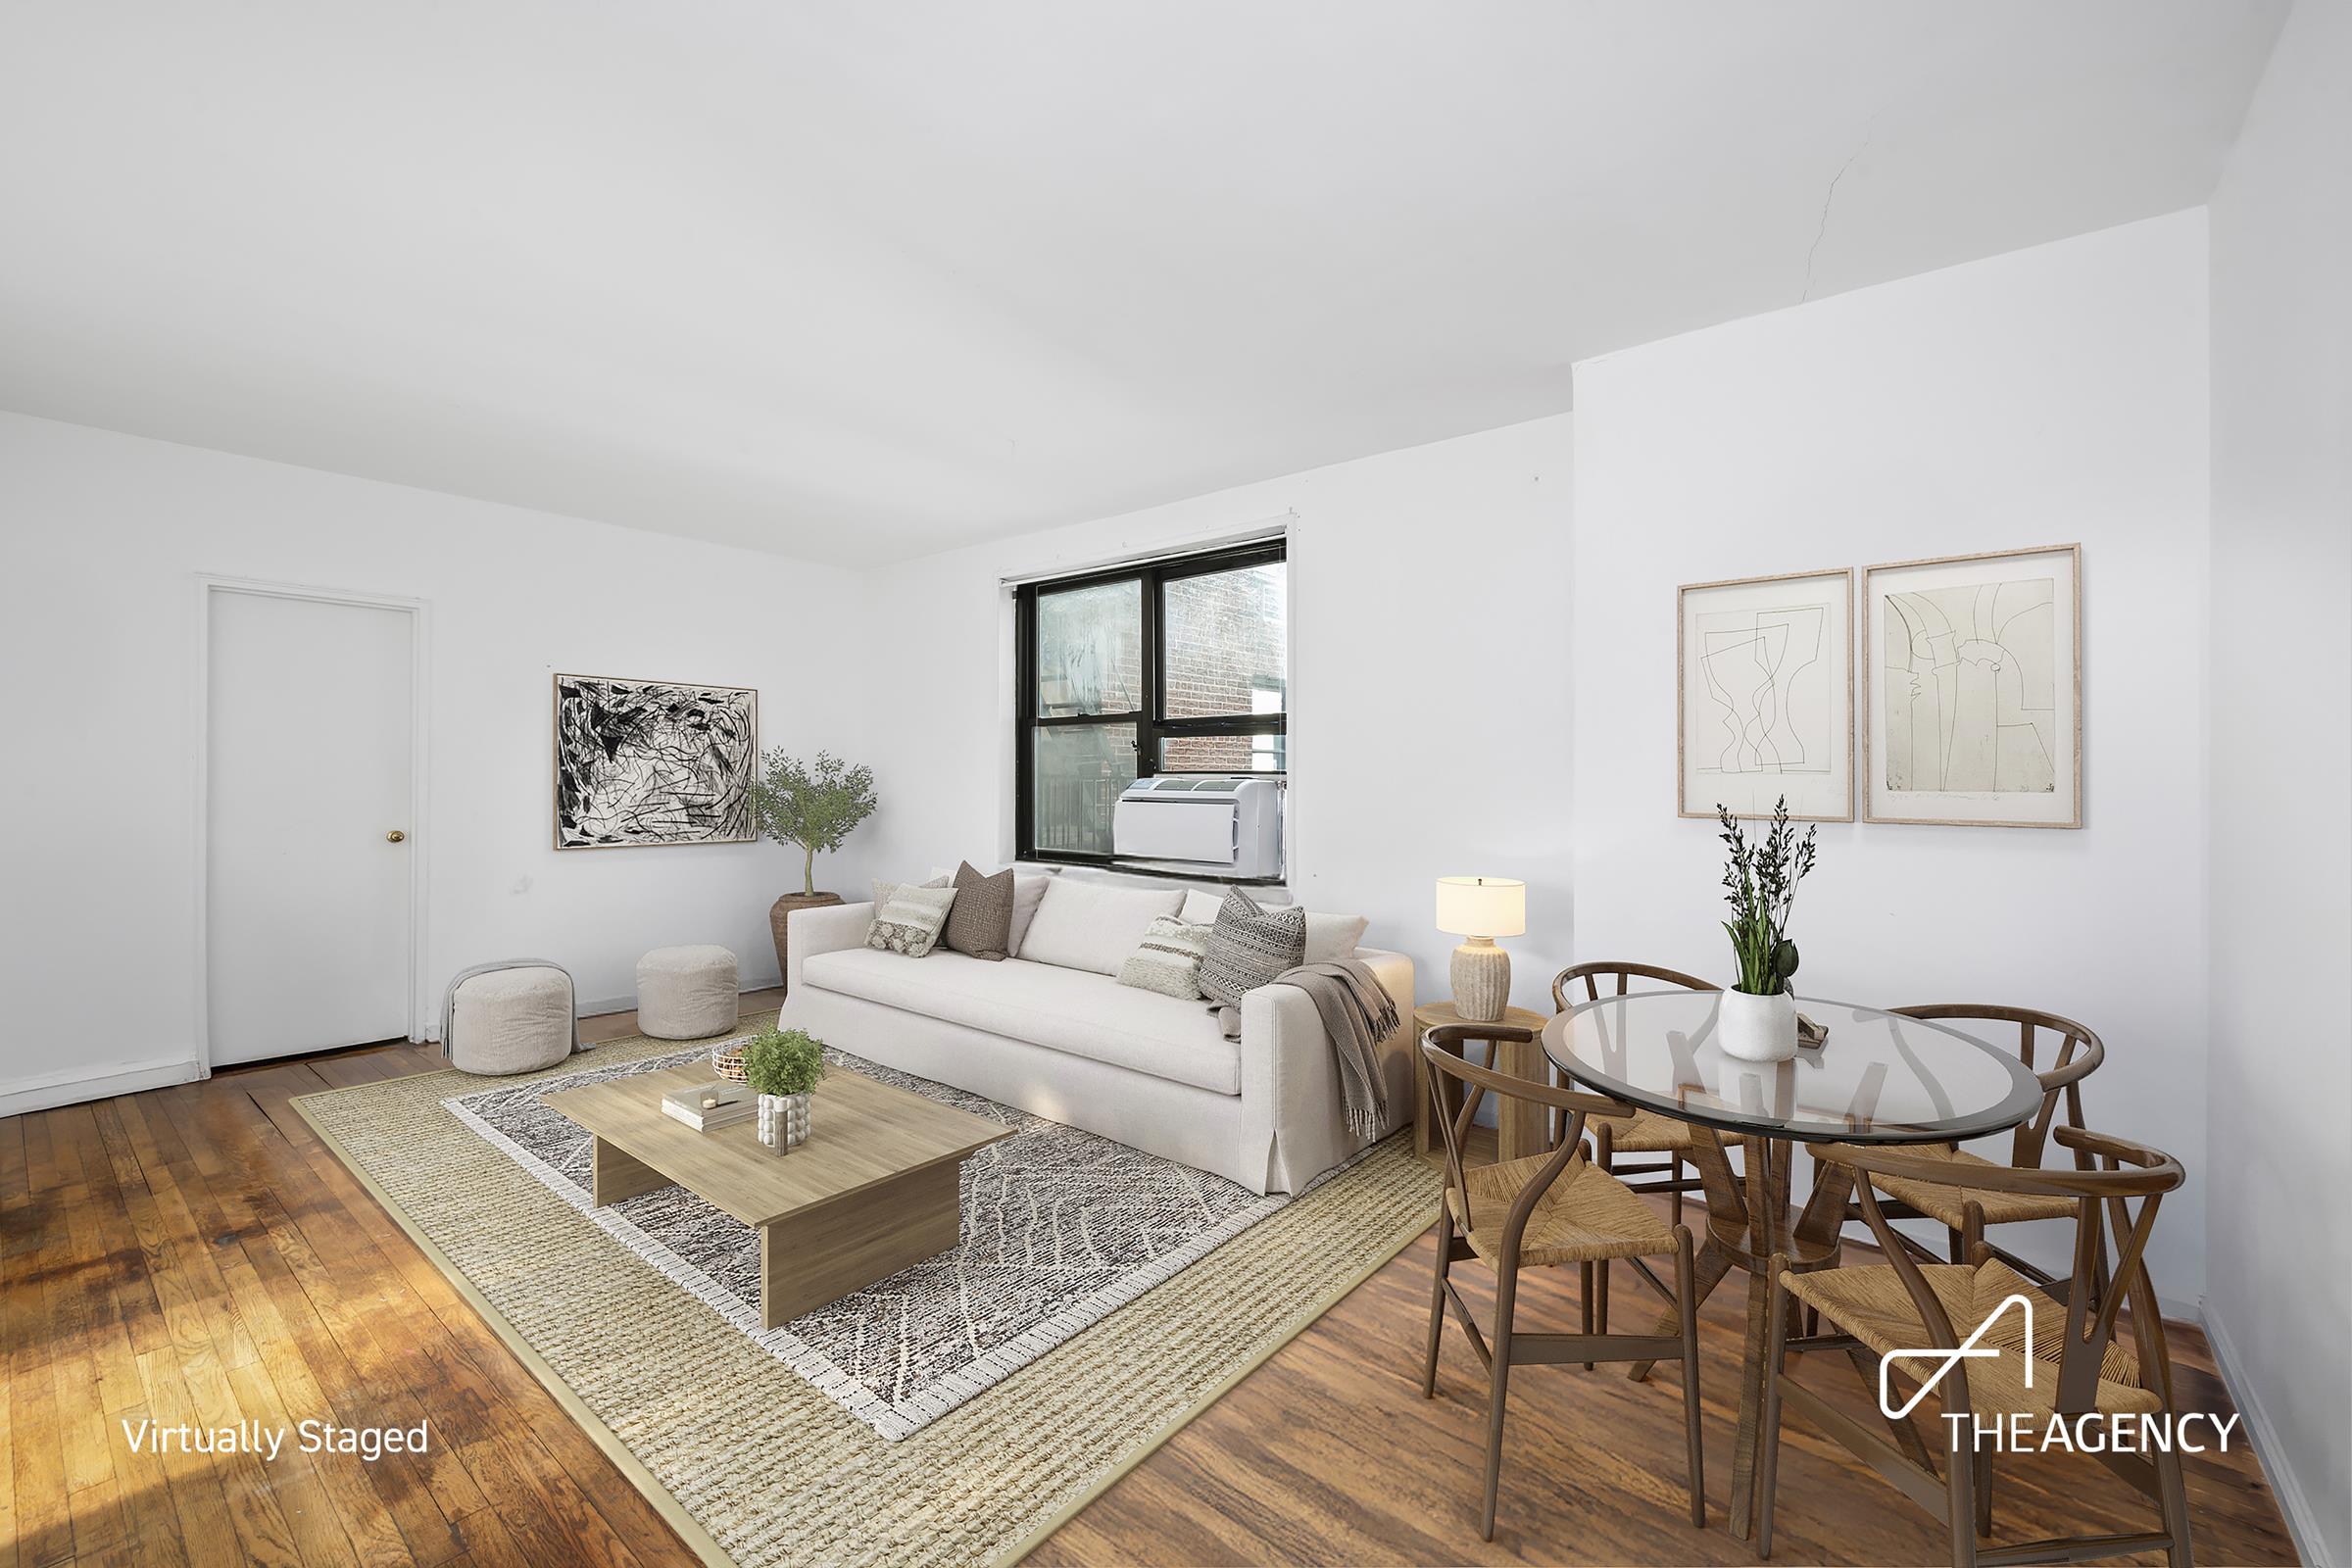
(1971, 1349)
(2015, 1431)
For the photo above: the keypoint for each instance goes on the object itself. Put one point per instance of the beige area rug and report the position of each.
(751, 1462)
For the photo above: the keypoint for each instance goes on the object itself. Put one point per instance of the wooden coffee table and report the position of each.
(874, 1190)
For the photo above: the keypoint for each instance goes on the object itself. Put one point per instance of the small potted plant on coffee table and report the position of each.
(782, 1065)
(812, 806)
(1758, 1016)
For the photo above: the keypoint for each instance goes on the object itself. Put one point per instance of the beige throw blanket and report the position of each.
(1358, 1013)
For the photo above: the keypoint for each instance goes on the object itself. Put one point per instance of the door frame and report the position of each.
(419, 613)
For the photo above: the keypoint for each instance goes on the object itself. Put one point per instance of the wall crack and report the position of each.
(1829, 198)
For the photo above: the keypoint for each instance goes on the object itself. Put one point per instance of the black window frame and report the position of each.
(1152, 722)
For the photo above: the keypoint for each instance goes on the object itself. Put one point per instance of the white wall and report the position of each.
(1429, 683)
(2047, 396)
(104, 537)
(2279, 1077)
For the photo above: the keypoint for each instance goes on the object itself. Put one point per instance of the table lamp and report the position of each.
(1482, 908)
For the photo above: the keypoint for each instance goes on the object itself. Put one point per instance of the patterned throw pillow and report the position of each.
(981, 922)
(1248, 947)
(906, 918)
(1169, 960)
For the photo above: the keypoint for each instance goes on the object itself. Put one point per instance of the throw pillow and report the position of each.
(1333, 936)
(981, 921)
(1029, 879)
(1328, 936)
(1199, 907)
(1093, 925)
(907, 919)
(1169, 960)
(1248, 947)
(1028, 892)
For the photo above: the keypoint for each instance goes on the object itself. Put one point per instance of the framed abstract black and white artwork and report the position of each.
(1764, 702)
(1971, 688)
(649, 763)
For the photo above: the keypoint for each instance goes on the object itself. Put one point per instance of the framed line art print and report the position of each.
(1971, 690)
(1764, 696)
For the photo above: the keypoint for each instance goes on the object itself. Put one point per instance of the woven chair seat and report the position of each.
(1944, 1203)
(1872, 1305)
(1651, 1132)
(1585, 1216)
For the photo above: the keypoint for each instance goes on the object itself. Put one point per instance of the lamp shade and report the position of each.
(1482, 906)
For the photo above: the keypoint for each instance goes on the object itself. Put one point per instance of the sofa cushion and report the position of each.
(1072, 1010)
(1093, 925)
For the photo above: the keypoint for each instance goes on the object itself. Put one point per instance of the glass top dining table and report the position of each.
(1878, 1078)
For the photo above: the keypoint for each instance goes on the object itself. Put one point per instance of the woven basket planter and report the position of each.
(781, 910)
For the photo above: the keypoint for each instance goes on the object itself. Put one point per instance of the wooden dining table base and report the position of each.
(1748, 1223)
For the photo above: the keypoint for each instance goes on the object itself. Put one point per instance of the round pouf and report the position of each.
(686, 992)
(509, 1020)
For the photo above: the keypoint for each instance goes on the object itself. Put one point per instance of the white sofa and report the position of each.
(1076, 1045)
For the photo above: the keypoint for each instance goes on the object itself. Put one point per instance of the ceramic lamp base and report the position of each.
(1482, 981)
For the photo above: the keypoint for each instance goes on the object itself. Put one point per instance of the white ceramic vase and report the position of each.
(1757, 1028)
(784, 1120)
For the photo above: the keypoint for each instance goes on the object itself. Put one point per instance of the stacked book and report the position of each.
(706, 1107)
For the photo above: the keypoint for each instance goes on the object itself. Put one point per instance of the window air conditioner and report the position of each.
(1223, 825)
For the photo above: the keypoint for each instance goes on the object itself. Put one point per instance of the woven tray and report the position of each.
(727, 1061)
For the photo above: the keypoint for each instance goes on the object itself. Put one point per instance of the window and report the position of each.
(1176, 667)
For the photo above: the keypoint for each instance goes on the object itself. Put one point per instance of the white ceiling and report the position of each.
(857, 281)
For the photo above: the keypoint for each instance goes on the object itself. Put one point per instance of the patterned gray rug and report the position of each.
(1060, 1228)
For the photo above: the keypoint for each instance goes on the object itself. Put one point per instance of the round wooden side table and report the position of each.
(1519, 1129)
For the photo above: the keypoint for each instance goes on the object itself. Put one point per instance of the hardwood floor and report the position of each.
(194, 1254)
(1327, 1453)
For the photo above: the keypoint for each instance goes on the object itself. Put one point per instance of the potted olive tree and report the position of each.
(1758, 1015)
(812, 806)
(782, 1067)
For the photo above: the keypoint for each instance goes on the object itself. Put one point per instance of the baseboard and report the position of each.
(75, 1085)
(2311, 1543)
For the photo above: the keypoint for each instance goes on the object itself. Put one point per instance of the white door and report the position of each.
(307, 926)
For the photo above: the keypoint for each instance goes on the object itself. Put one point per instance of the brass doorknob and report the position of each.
(396, 836)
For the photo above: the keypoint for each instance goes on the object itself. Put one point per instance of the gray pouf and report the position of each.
(687, 993)
(510, 1017)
